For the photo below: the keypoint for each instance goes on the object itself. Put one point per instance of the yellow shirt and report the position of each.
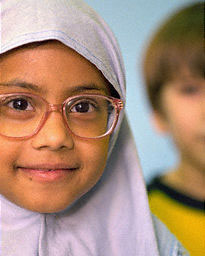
(184, 216)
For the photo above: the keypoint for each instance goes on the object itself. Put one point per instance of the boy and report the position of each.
(173, 70)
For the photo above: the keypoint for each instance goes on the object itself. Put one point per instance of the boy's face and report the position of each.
(183, 116)
(57, 73)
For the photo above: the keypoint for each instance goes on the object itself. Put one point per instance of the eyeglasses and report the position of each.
(90, 116)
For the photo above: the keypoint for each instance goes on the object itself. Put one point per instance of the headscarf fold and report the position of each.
(113, 218)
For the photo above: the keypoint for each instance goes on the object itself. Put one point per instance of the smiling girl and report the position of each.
(70, 179)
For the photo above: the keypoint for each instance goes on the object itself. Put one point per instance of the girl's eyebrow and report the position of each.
(88, 87)
(75, 89)
(22, 84)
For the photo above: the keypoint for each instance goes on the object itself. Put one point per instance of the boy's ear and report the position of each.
(159, 122)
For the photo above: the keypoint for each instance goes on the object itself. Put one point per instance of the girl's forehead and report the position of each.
(51, 65)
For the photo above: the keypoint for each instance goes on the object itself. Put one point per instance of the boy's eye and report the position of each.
(20, 104)
(83, 107)
(190, 89)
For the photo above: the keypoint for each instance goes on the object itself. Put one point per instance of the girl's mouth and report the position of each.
(48, 173)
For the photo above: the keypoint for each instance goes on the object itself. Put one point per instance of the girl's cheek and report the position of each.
(94, 153)
(10, 151)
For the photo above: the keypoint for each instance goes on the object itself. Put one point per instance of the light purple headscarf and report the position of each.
(112, 219)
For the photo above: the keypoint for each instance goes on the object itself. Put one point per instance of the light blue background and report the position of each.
(133, 21)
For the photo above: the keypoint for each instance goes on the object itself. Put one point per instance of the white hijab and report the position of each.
(112, 219)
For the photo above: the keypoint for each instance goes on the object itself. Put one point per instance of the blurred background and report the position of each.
(133, 22)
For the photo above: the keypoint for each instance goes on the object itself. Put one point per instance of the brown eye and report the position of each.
(83, 107)
(190, 89)
(20, 104)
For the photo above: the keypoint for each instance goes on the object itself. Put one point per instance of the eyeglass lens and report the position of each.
(86, 116)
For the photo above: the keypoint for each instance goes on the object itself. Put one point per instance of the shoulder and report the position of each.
(159, 190)
(168, 245)
(155, 184)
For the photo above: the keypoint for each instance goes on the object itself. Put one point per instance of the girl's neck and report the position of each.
(188, 180)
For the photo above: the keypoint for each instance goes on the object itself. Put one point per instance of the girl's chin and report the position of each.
(48, 206)
(45, 208)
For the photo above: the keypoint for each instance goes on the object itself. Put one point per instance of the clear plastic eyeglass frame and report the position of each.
(117, 103)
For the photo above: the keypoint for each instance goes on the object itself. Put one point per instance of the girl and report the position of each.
(70, 179)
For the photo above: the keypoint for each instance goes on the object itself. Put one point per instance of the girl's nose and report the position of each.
(54, 134)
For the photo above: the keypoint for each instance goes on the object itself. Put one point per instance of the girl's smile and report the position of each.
(53, 163)
(48, 172)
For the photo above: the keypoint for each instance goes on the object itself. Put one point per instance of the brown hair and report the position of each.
(177, 43)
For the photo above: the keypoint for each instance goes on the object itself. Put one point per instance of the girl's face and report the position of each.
(55, 72)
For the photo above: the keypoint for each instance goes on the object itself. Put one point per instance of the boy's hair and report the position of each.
(177, 44)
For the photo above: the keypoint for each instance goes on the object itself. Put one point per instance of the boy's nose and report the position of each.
(54, 134)
(202, 104)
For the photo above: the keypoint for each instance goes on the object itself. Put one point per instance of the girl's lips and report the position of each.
(48, 174)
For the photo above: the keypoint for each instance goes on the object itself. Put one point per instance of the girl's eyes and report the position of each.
(20, 104)
(83, 107)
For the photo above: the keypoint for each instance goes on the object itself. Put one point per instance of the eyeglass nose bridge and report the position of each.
(55, 108)
(52, 108)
